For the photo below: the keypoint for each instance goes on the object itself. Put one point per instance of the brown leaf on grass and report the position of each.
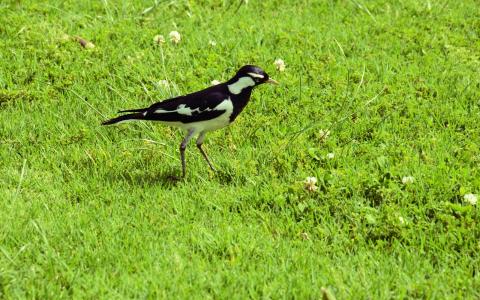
(85, 43)
(327, 294)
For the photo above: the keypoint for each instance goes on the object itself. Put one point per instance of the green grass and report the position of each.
(89, 212)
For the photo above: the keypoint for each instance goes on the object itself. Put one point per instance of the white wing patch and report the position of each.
(182, 109)
(237, 87)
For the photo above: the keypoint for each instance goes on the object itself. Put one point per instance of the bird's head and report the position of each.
(258, 75)
(247, 78)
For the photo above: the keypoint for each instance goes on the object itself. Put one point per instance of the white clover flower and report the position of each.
(304, 235)
(470, 199)
(163, 83)
(279, 64)
(324, 133)
(330, 155)
(159, 39)
(215, 82)
(174, 37)
(310, 184)
(212, 43)
(408, 180)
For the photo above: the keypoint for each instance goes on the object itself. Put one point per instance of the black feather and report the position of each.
(137, 116)
(131, 110)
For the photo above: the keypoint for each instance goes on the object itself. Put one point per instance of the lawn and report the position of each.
(379, 101)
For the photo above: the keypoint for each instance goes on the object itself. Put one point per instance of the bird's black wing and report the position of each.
(195, 107)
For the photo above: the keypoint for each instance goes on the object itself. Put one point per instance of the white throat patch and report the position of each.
(237, 87)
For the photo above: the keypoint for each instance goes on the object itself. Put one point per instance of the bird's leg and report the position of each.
(183, 146)
(200, 139)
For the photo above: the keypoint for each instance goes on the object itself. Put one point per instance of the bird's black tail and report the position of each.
(131, 110)
(136, 116)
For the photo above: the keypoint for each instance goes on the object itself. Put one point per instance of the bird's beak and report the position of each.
(270, 80)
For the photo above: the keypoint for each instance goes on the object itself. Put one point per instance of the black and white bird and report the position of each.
(198, 113)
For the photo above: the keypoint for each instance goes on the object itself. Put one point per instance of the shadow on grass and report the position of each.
(166, 179)
(224, 177)
(170, 178)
